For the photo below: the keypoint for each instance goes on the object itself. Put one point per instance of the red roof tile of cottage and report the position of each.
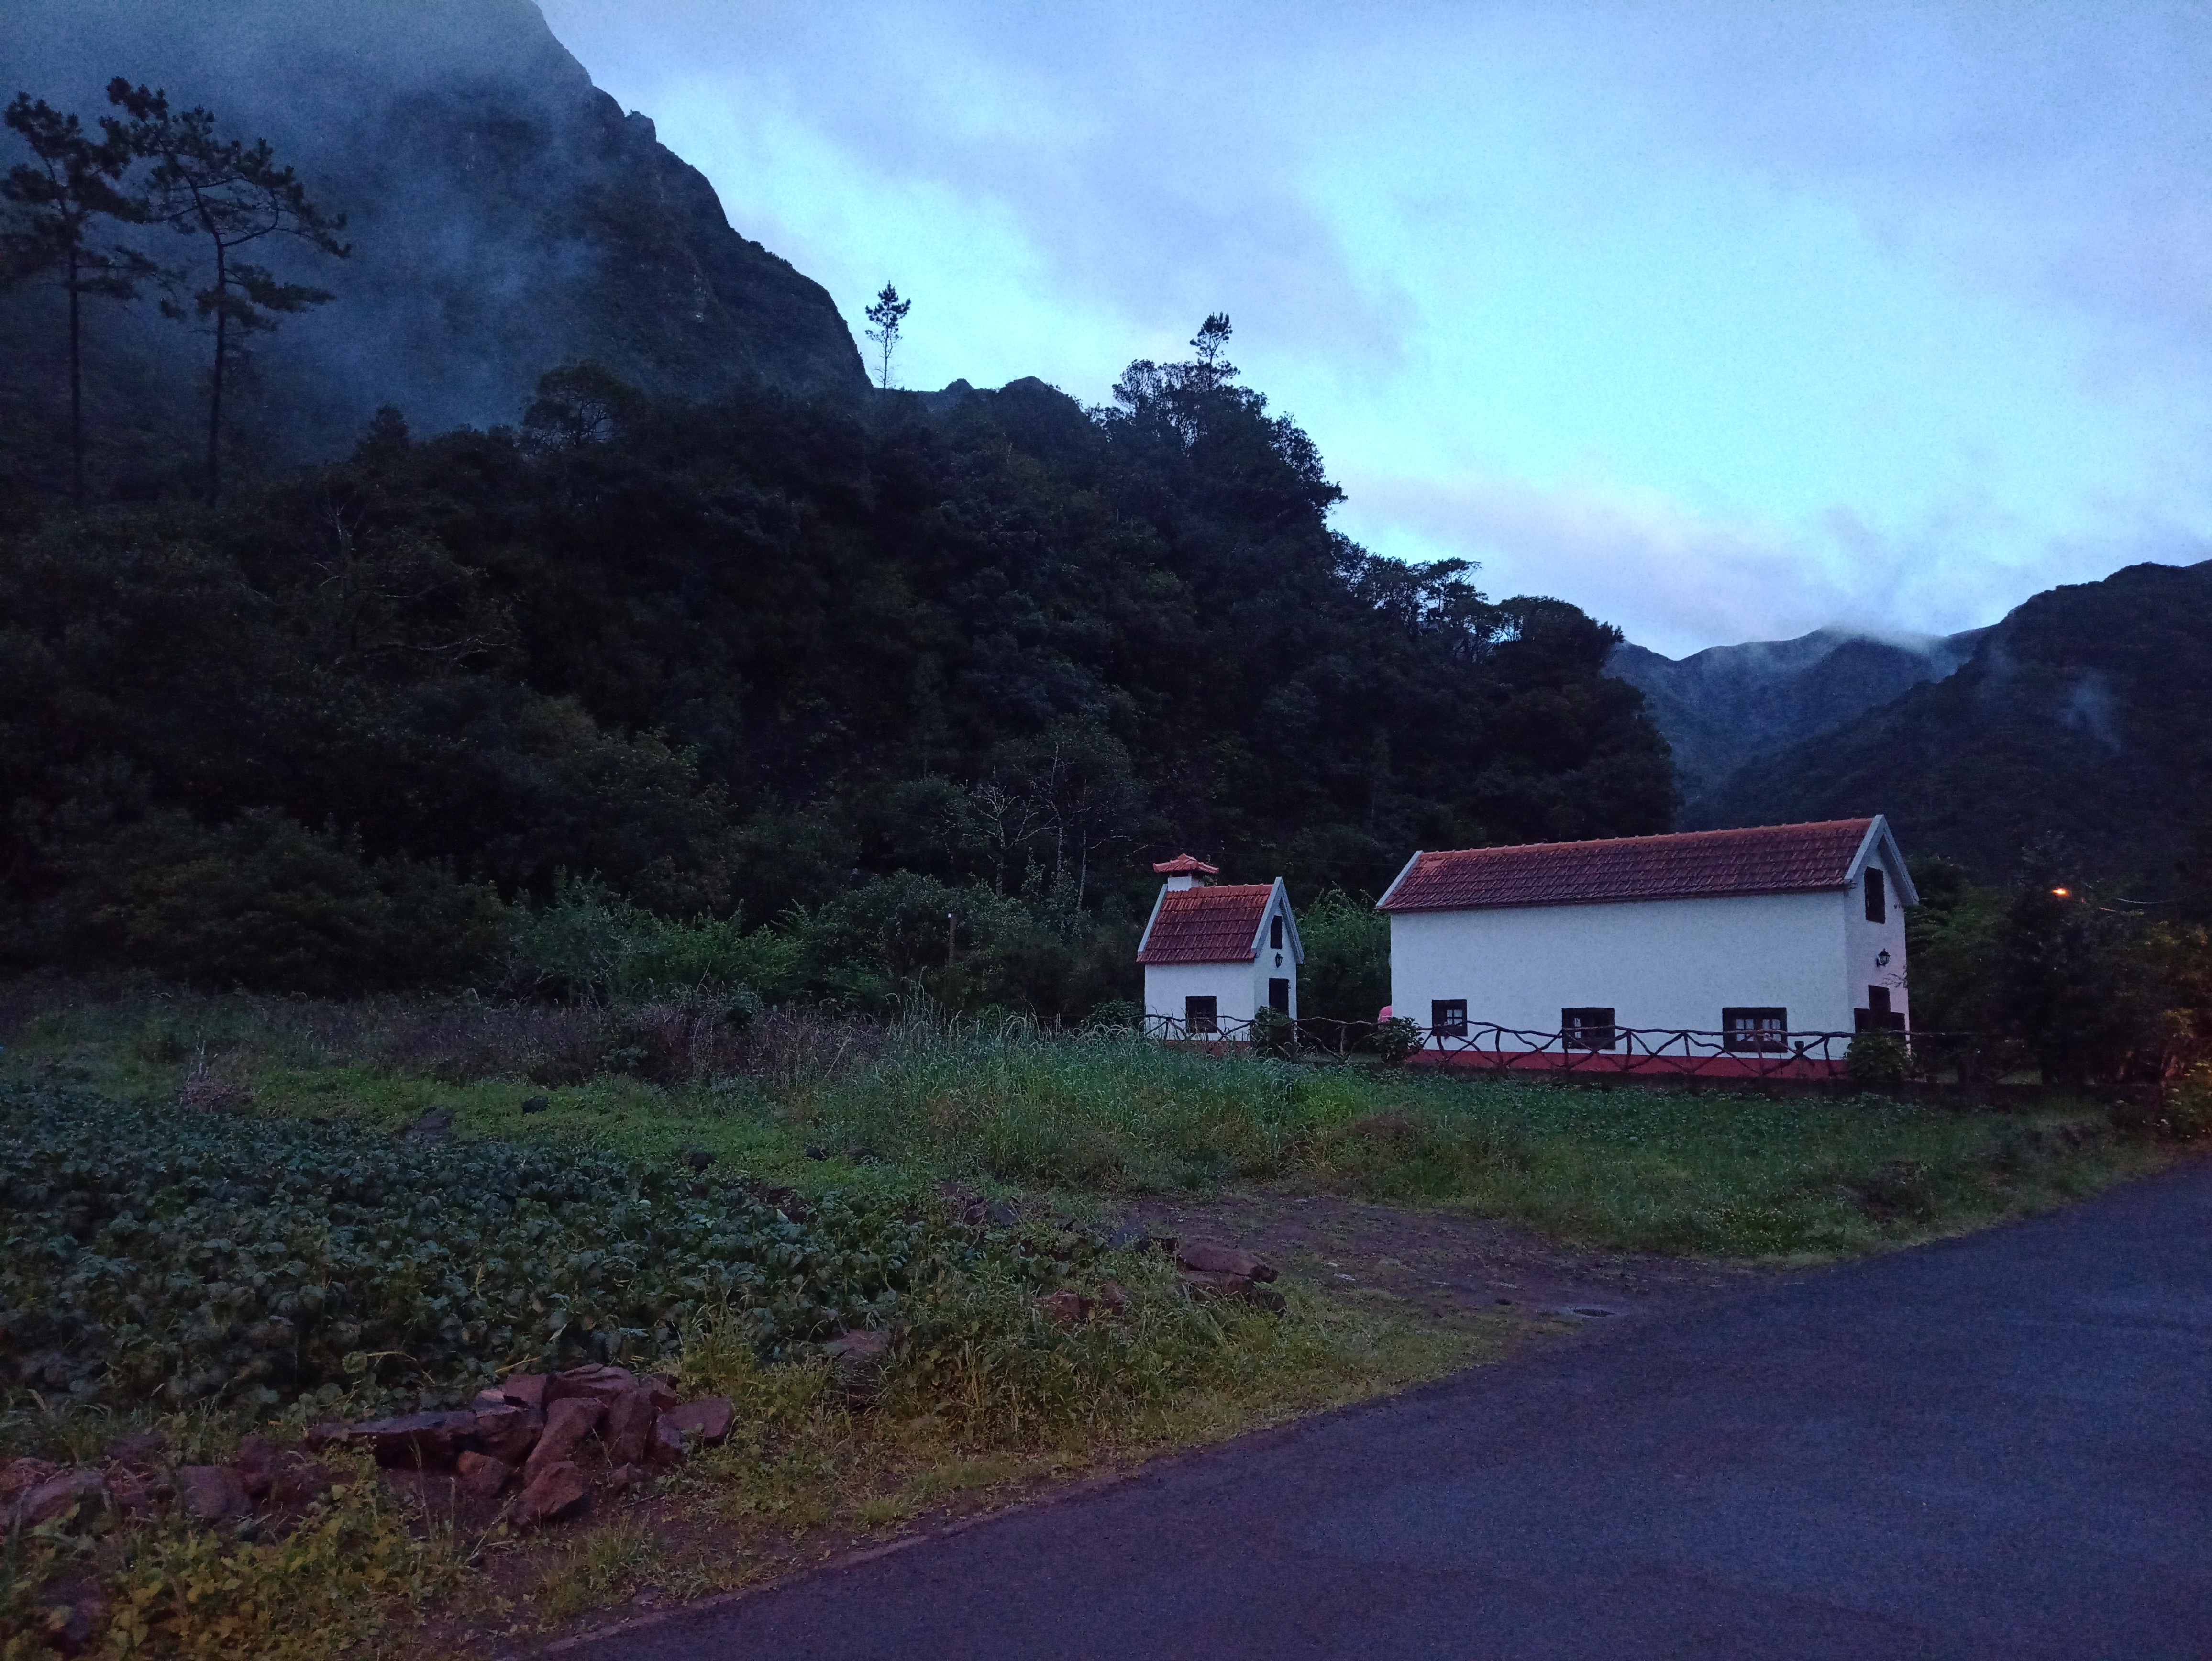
(1207, 925)
(1767, 858)
(1183, 864)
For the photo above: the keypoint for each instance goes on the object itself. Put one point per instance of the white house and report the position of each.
(1215, 955)
(1749, 935)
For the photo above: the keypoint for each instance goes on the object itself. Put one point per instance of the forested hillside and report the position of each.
(761, 654)
(2081, 725)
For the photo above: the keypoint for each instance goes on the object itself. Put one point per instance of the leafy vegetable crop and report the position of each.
(153, 1253)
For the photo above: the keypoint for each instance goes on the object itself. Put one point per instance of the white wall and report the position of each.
(1864, 942)
(1237, 988)
(1666, 964)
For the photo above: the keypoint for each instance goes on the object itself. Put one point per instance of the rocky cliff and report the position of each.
(505, 216)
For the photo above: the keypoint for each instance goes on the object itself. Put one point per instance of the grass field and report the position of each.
(1084, 1117)
(680, 1114)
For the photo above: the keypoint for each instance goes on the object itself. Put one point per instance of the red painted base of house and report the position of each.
(1645, 1066)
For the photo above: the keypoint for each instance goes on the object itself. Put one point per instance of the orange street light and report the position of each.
(2060, 892)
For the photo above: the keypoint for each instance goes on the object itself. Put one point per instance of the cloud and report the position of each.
(1677, 582)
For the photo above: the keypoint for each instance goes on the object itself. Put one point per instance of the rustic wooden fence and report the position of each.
(1641, 1051)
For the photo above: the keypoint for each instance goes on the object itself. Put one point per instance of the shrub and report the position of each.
(1877, 1060)
(1396, 1039)
(2189, 1105)
(1273, 1032)
(265, 902)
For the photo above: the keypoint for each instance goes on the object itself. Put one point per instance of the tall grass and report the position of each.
(818, 1100)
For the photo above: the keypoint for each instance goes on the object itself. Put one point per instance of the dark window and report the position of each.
(1587, 1029)
(1877, 1016)
(1199, 1015)
(1278, 996)
(1275, 934)
(1877, 901)
(1448, 1017)
(1754, 1029)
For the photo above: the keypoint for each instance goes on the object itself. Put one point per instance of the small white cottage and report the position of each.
(1213, 955)
(1750, 934)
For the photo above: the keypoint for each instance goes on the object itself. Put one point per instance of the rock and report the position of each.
(1211, 1257)
(697, 1158)
(507, 1432)
(557, 1491)
(1065, 1308)
(482, 1476)
(75, 1610)
(963, 1206)
(601, 1383)
(433, 1439)
(628, 1476)
(668, 1446)
(433, 1127)
(1234, 1286)
(627, 1426)
(705, 1421)
(137, 1494)
(568, 1422)
(142, 1447)
(21, 1475)
(1136, 1237)
(491, 1396)
(661, 1389)
(299, 1481)
(328, 1435)
(213, 1494)
(525, 1389)
(1112, 1297)
(256, 1465)
(1002, 1214)
(537, 1104)
(55, 1496)
(814, 1152)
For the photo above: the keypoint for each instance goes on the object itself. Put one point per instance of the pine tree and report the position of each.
(74, 181)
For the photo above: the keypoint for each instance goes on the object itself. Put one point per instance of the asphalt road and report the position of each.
(1999, 1446)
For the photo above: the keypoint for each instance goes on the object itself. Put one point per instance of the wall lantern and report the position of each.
(1881, 960)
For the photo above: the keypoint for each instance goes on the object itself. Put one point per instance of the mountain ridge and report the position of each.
(2081, 726)
(1723, 706)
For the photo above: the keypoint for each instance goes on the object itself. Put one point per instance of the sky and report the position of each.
(1723, 322)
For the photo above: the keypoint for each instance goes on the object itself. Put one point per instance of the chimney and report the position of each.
(1183, 872)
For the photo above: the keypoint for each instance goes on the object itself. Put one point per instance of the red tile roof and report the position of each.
(1182, 863)
(1767, 858)
(1207, 925)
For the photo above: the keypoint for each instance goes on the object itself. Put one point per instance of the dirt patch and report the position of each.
(1436, 1265)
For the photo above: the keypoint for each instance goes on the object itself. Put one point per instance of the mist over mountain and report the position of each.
(1722, 706)
(2083, 722)
(505, 216)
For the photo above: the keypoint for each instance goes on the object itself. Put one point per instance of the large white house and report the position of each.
(1749, 935)
(1214, 956)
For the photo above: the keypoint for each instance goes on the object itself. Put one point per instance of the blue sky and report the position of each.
(1723, 322)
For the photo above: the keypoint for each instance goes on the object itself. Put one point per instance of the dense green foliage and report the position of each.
(2076, 982)
(2082, 726)
(750, 656)
(189, 1257)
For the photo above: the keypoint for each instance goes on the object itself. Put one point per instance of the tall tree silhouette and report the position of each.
(232, 195)
(888, 316)
(74, 181)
